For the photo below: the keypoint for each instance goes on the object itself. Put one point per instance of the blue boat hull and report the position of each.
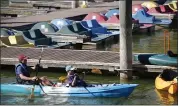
(105, 90)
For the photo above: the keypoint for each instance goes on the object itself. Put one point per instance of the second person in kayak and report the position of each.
(73, 79)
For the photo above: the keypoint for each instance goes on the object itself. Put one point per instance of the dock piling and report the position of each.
(125, 7)
(75, 3)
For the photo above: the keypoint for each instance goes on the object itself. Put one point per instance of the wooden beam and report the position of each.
(88, 65)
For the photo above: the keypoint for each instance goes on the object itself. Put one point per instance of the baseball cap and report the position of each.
(69, 68)
(22, 57)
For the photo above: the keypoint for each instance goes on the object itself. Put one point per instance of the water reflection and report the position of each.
(139, 97)
(96, 101)
(153, 43)
(166, 98)
(58, 100)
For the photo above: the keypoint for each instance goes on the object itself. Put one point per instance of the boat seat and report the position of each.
(90, 24)
(143, 17)
(36, 37)
(75, 29)
(146, 18)
(112, 12)
(45, 27)
(94, 27)
(59, 23)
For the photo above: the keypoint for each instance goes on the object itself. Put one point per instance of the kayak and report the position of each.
(170, 86)
(167, 81)
(96, 90)
(163, 59)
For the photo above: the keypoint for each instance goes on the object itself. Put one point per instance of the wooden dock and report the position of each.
(20, 21)
(23, 11)
(85, 59)
(41, 4)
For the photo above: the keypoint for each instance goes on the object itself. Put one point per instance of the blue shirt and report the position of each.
(22, 69)
(79, 82)
(70, 79)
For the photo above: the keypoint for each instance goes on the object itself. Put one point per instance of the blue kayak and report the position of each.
(97, 90)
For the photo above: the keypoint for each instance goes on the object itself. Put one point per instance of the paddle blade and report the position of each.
(96, 71)
(32, 93)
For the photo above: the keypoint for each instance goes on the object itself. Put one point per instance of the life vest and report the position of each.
(18, 79)
(79, 82)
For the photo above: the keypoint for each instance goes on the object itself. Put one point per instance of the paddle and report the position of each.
(86, 84)
(37, 70)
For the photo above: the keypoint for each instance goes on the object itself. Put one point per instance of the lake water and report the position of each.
(144, 94)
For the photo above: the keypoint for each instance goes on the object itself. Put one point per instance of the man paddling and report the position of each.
(23, 73)
(73, 79)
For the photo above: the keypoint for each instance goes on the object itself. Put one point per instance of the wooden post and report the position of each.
(166, 38)
(75, 3)
(125, 7)
(168, 34)
(164, 42)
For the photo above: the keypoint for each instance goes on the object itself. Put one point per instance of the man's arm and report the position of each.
(27, 78)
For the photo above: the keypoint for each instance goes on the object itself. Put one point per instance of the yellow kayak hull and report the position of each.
(170, 86)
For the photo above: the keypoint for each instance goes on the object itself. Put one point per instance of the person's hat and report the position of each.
(22, 57)
(69, 68)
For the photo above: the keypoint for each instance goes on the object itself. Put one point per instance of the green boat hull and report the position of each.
(164, 60)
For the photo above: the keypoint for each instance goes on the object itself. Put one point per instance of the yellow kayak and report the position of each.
(170, 86)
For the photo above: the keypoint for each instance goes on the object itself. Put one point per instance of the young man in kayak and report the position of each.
(23, 73)
(73, 79)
